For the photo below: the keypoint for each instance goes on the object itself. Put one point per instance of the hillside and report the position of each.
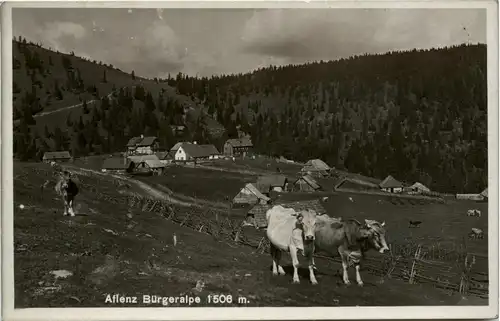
(419, 115)
(115, 247)
(57, 96)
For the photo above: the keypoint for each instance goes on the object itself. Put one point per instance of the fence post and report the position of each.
(414, 265)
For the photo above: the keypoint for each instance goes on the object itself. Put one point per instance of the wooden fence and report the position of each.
(453, 270)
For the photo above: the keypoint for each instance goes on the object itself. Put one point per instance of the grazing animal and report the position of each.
(290, 231)
(350, 239)
(67, 189)
(476, 233)
(474, 212)
(414, 224)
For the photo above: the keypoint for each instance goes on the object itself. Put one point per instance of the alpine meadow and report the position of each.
(143, 181)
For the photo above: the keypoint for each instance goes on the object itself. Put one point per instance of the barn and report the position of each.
(117, 165)
(316, 168)
(152, 166)
(193, 152)
(237, 146)
(249, 194)
(268, 183)
(142, 145)
(418, 188)
(306, 183)
(391, 185)
(257, 214)
(165, 157)
(60, 157)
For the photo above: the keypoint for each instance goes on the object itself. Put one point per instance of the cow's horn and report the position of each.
(383, 223)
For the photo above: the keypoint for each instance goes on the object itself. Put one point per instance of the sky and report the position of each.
(205, 42)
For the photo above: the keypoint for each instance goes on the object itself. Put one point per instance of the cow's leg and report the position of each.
(71, 212)
(312, 277)
(274, 251)
(345, 275)
(358, 276)
(278, 259)
(295, 262)
(65, 208)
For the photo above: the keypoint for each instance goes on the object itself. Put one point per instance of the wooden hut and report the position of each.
(249, 194)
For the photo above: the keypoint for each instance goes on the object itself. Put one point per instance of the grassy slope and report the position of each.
(114, 249)
(92, 74)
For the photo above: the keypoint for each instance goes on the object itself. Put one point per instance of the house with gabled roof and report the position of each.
(237, 146)
(143, 145)
(194, 152)
(306, 183)
(268, 183)
(391, 185)
(61, 156)
(249, 194)
(316, 168)
(117, 165)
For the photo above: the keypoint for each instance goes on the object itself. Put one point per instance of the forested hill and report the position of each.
(419, 115)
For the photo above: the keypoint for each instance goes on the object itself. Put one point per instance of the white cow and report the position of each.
(290, 231)
(474, 212)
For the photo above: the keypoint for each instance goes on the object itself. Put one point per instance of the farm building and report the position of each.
(391, 185)
(62, 156)
(316, 168)
(470, 197)
(143, 145)
(152, 166)
(238, 146)
(141, 158)
(306, 183)
(177, 129)
(257, 214)
(117, 165)
(165, 157)
(188, 151)
(267, 183)
(418, 188)
(249, 194)
(176, 146)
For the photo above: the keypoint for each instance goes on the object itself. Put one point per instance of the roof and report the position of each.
(133, 141)
(272, 180)
(147, 141)
(311, 181)
(138, 141)
(259, 210)
(315, 165)
(196, 151)
(254, 191)
(420, 186)
(116, 163)
(142, 158)
(56, 155)
(161, 155)
(485, 192)
(240, 142)
(177, 145)
(390, 182)
(153, 163)
(210, 149)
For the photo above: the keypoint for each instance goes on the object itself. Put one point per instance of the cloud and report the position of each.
(60, 35)
(333, 33)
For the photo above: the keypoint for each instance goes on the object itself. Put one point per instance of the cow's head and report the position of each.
(375, 234)
(65, 178)
(307, 220)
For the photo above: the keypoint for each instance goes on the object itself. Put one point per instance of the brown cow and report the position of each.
(350, 239)
(67, 189)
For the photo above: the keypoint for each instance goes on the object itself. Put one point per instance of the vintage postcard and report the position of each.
(249, 160)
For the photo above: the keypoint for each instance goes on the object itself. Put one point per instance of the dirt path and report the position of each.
(155, 192)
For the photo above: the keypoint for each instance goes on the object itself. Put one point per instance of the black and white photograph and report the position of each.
(241, 156)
